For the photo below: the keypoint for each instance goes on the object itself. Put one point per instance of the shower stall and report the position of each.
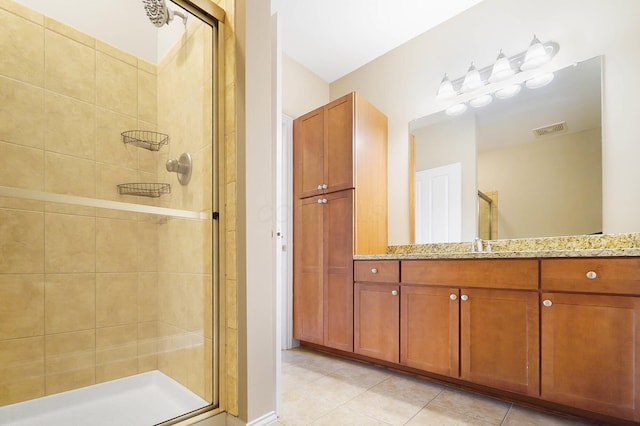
(108, 252)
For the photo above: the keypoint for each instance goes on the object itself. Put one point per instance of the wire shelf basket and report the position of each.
(147, 139)
(144, 189)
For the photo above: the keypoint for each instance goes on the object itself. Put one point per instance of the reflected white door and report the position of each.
(439, 204)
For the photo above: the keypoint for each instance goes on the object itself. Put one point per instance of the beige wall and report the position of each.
(302, 90)
(546, 188)
(89, 295)
(403, 84)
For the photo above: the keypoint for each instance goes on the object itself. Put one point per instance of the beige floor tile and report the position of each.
(480, 408)
(364, 375)
(519, 416)
(384, 408)
(335, 388)
(304, 408)
(409, 389)
(343, 416)
(295, 377)
(442, 417)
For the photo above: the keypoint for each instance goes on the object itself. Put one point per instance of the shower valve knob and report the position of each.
(182, 166)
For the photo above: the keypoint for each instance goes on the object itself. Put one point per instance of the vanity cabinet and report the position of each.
(377, 309)
(591, 334)
(476, 320)
(340, 209)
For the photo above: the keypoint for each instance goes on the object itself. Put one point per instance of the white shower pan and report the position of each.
(142, 400)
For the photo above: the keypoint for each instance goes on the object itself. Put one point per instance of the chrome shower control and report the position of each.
(182, 166)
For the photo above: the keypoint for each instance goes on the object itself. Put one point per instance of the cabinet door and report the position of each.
(308, 154)
(338, 167)
(308, 277)
(376, 320)
(429, 319)
(338, 257)
(590, 348)
(499, 339)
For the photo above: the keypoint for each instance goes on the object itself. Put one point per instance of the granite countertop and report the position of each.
(610, 245)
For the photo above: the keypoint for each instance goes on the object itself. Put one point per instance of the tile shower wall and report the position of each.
(87, 295)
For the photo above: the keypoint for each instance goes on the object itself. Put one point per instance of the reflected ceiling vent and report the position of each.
(551, 129)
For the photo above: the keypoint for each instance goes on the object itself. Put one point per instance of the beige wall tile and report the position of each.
(21, 242)
(70, 243)
(69, 67)
(116, 352)
(147, 237)
(21, 305)
(70, 126)
(116, 53)
(70, 360)
(107, 179)
(18, 204)
(173, 345)
(230, 157)
(70, 209)
(70, 32)
(116, 299)
(147, 66)
(23, 55)
(231, 304)
(182, 300)
(180, 243)
(21, 369)
(109, 147)
(147, 346)
(230, 255)
(147, 96)
(117, 85)
(21, 167)
(116, 245)
(64, 174)
(70, 302)
(22, 113)
(147, 296)
(22, 11)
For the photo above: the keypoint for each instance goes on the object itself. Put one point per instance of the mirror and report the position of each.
(528, 166)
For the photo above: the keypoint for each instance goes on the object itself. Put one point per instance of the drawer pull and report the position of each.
(464, 297)
(548, 303)
(394, 292)
(374, 270)
(592, 275)
(453, 296)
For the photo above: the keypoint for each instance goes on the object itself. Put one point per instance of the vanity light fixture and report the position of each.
(539, 80)
(536, 56)
(446, 90)
(472, 80)
(481, 101)
(456, 109)
(501, 69)
(462, 90)
(508, 91)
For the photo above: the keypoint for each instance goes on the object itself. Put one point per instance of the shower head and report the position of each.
(159, 14)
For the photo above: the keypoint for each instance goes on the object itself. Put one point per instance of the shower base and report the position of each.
(141, 400)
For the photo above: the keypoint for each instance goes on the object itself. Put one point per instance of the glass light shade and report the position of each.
(501, 69)
(472, 80)
(445, 91)
(456, 109)
(481, 101)
(539, 80)
(536, 55)
(508, 91)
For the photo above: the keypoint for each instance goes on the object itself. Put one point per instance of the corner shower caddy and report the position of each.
(151, 141)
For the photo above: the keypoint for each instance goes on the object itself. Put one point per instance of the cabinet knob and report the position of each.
(319, 200)
(464, 297)
(453, 296)
(394, 292)
(592, 275)
(324, 186)
(319, 186)
(374, 270)
(548, 303)
(324, 201)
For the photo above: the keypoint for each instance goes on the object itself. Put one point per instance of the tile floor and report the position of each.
(318, 389)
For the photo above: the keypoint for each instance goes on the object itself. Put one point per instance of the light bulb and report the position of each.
(445, 91)
(536, 55)
(472, 80)
(508, 91)
(539, 80)
(456, 109)
(481, 101)
(501, 69)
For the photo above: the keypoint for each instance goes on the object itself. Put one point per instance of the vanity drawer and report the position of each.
(592, 275)
(377, 271)
(488, 273)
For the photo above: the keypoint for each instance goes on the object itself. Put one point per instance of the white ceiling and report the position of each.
(335, 37)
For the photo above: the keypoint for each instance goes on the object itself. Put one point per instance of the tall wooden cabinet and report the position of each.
(340, 209)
